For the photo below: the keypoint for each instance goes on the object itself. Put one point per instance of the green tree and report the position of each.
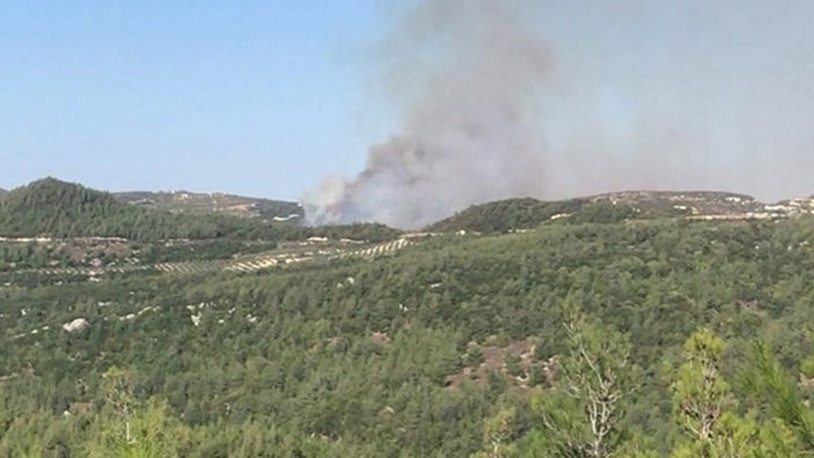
(769, 384)
(128, 428)
(701, 394)
(706, 410)
(583, 411)
(120, 402)
(498, 432)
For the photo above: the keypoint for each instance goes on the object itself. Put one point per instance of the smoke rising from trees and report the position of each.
(560, 98)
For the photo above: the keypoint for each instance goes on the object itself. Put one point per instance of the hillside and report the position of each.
(420, 350)
(53, 208)
(364, 341)
(527, 213)
(506, 214)
(217, 203)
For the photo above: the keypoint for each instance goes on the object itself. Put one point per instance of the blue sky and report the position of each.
(259, 97)
(267, 97)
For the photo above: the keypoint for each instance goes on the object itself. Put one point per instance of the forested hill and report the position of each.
(528, 213)
(53, 208)
(456, 346)
(506, 214)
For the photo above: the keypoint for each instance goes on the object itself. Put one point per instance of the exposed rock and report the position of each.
(381, 338)
(76, 325)
(496, 352)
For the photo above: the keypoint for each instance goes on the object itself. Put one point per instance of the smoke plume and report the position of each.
(644, 94)
(467, 71)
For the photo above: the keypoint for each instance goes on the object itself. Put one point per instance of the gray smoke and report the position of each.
(467, 72)
(645, 94)
(693, 94)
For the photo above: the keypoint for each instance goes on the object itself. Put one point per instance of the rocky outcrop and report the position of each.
(77, 325)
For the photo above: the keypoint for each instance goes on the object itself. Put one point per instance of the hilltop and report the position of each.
(51, 207)
(213, 203)
(527, 213)
(59, 228)
(54, 208)
(504, 215)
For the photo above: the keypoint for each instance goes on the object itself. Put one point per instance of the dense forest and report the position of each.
(53, 208)
(613, 337)
(528, 213)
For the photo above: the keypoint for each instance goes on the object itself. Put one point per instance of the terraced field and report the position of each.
(251, 263)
